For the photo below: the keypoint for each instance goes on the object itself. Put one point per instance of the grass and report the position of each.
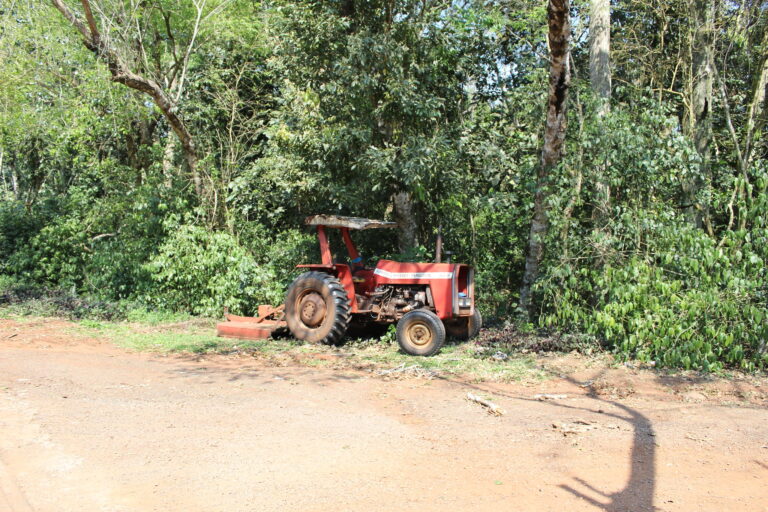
(453, 359)
(194, 335)
(155, 336)
(30, 308)
(142, 329)
(197, 336)
(153, 317)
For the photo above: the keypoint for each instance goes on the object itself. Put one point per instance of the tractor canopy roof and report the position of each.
(336, 221)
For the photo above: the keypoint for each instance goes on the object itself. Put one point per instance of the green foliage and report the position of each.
(373, 101)
(303, 107)
(17, 226)
(280, 251)
(55, 256)
(18, 298)
(692, 305)
(201, 272)
(647, 283)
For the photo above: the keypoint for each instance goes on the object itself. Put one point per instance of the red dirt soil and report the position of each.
(86, 426)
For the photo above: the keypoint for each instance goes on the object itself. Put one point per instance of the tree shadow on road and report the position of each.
(637, 495)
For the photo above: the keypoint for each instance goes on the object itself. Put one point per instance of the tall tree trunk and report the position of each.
(755, 116)
(600, 52)
(600, 80)
(700, 118)
(554, 137)
(93, 40)
(405, 216)
(755, 122)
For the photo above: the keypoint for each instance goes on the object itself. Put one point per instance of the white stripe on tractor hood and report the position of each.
(413, 275)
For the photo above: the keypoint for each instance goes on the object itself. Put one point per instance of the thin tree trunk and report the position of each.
(600, 80)
(14, 184)
(702, 74)
(577, 174)
(137, 142)
(169, 151)
(2, 174)
(554, 137)
(404, 215)
(121, 74)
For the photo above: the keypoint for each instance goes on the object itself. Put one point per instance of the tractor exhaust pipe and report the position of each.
(439, 245)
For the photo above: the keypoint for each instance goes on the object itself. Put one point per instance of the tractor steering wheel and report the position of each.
(356, 264)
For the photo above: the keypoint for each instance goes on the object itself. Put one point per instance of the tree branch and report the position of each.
(185, 61)
(91, 22)
(122, 75)
(74, 20)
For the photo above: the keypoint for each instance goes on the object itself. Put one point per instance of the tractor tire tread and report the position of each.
(436, 325)
(342, 314)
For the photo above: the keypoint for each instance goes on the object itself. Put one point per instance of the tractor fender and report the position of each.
(341, 272)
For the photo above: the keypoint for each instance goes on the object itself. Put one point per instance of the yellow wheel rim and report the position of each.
(419, 334)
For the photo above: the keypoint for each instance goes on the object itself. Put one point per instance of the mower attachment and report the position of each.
(253, 328)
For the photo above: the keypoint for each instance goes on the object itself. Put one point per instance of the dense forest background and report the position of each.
(165, 153)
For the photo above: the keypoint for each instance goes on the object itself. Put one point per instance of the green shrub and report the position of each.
(690, 303)
(201, 272)
(7, 283)
(55, 256)
(290, 248)
(115, 269)
(17, 227)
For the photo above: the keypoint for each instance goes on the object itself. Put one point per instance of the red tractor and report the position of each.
(426, 300)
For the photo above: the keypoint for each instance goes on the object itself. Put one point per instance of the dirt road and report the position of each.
(85, 426)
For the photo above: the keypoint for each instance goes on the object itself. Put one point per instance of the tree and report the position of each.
(600, 81)
(600, 51)
(751, 28)
(701, 106)
(558, 12)
(124, 60)
(55, 126)
(376, 97)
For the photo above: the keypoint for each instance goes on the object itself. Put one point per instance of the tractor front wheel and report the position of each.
(420, 333)
(317, 308)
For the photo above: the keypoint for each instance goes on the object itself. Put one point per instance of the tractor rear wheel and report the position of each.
(465, 328)
(317, 308)
(420, 333)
